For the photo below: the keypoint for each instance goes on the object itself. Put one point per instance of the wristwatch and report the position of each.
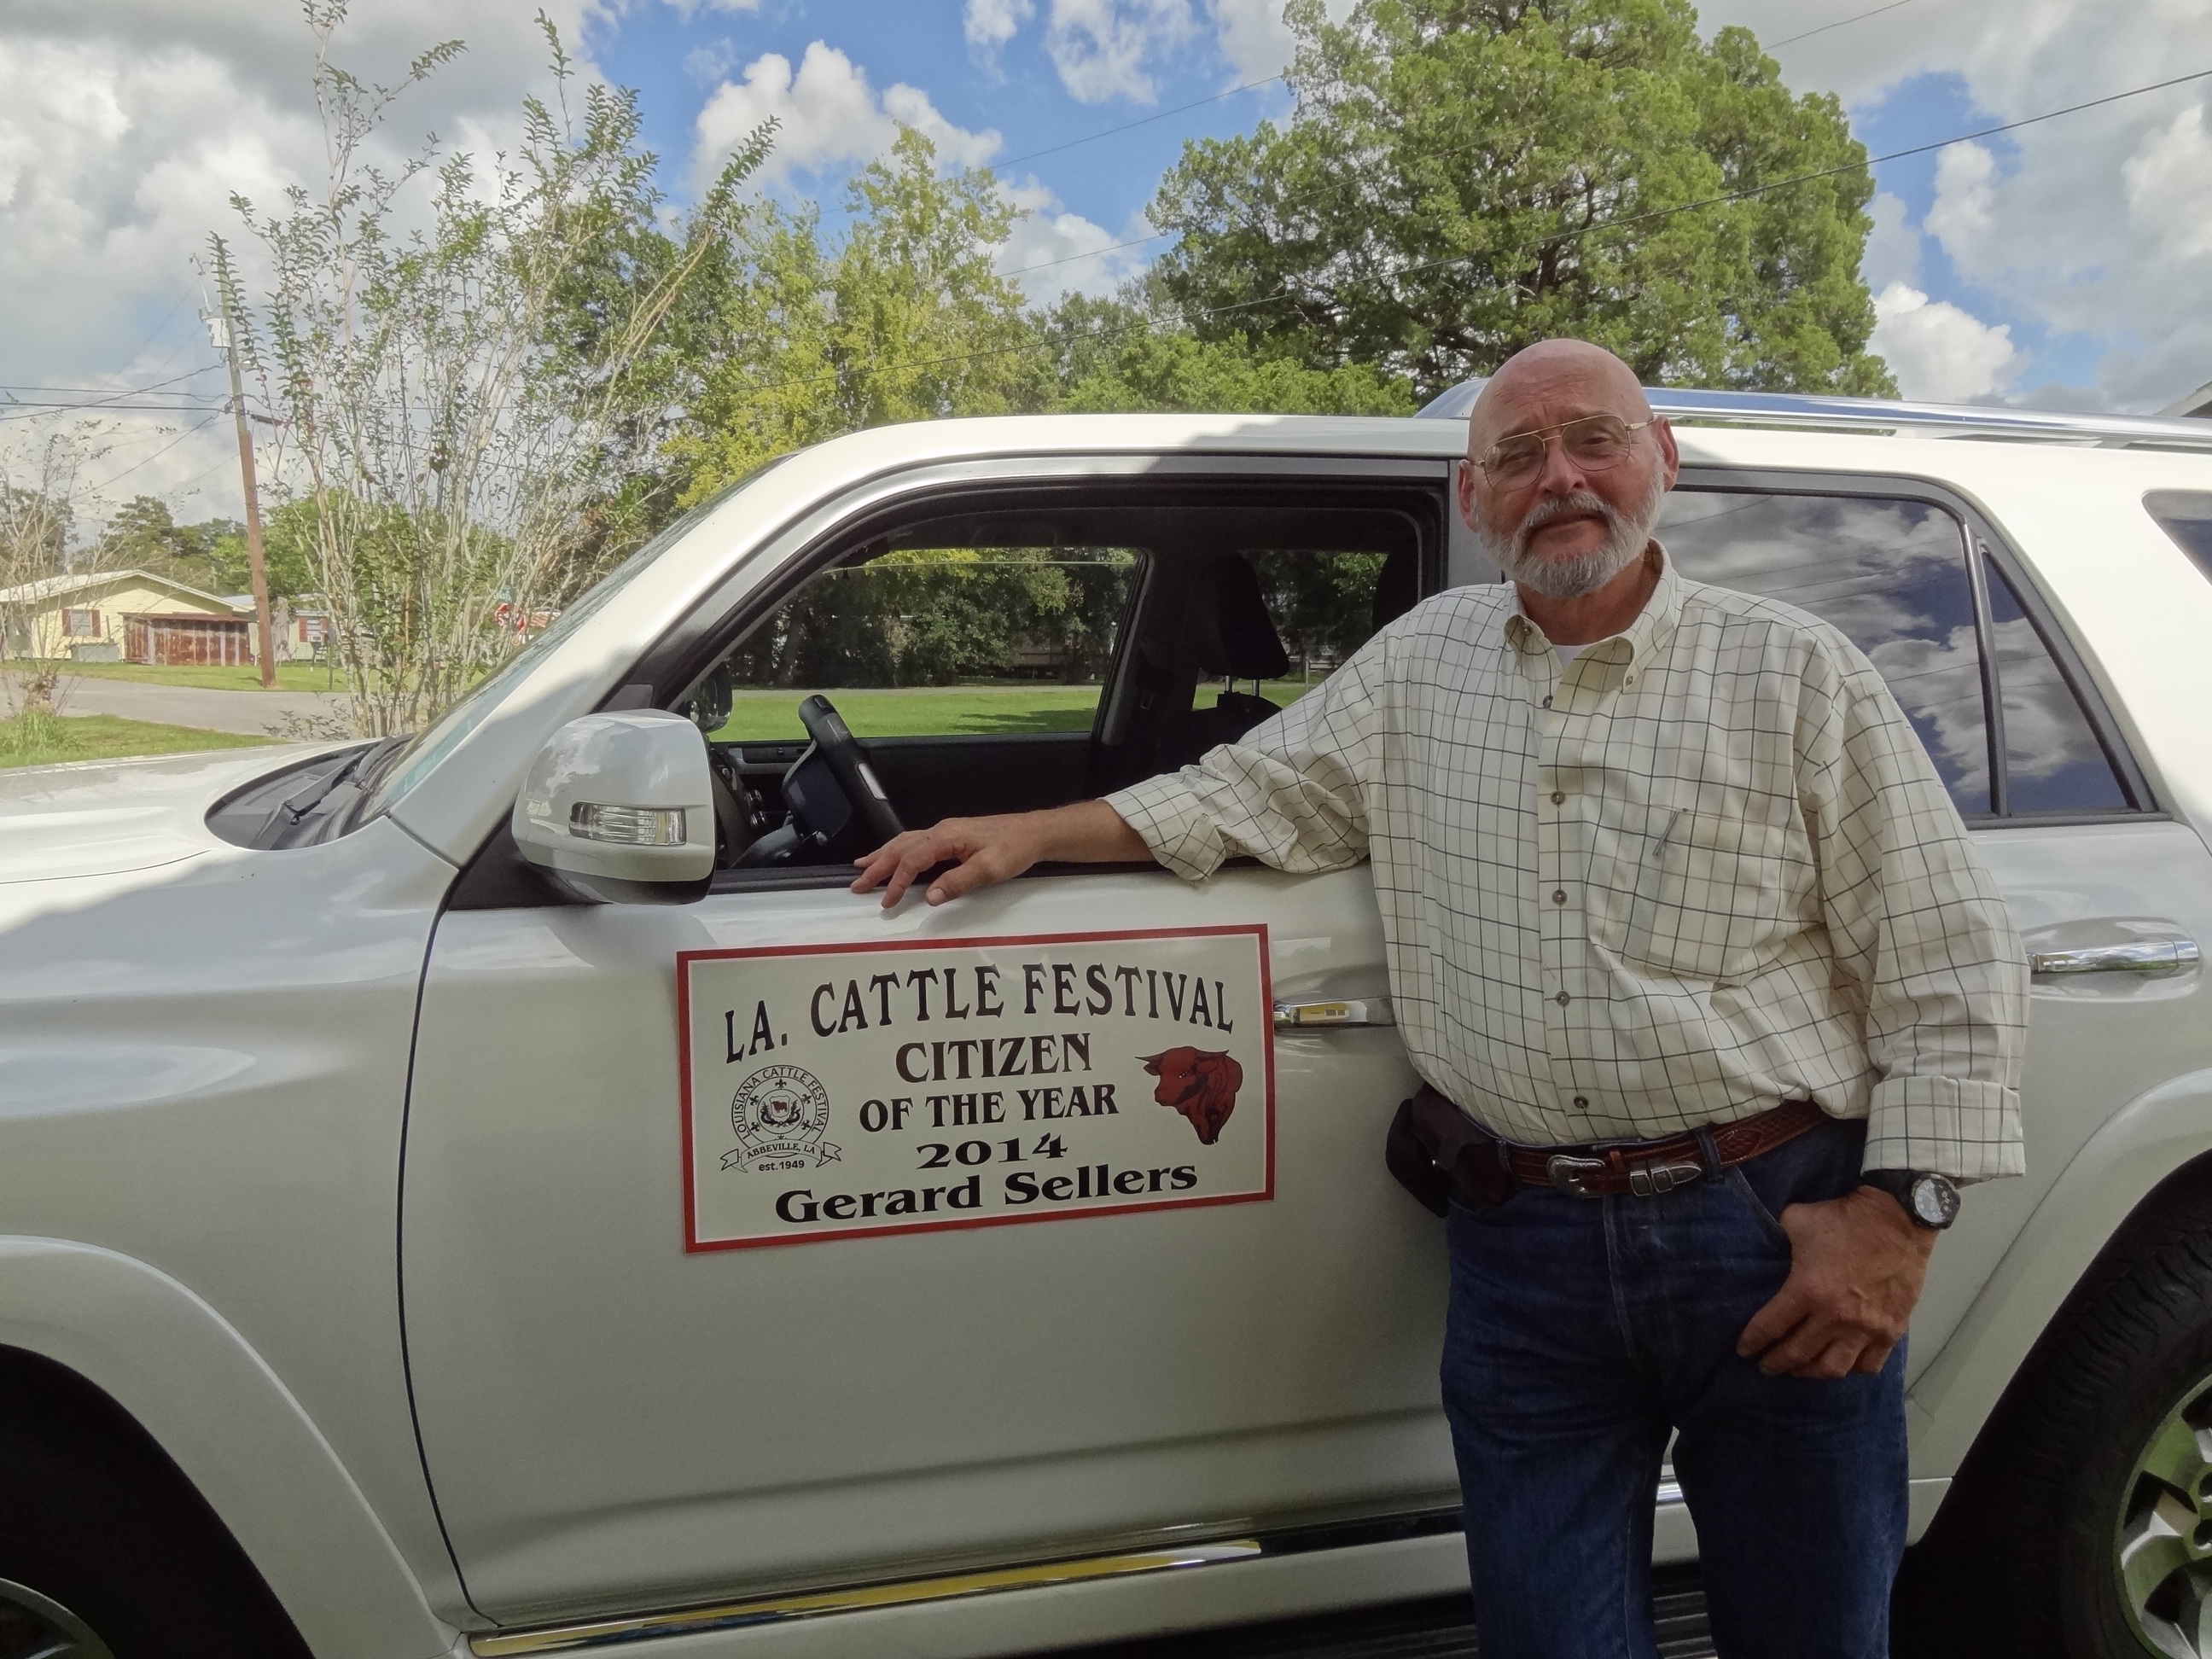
(1929, 1198)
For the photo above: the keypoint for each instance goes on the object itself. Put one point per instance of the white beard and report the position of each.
(1626, 538)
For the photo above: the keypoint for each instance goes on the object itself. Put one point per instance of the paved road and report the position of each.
(257, 714)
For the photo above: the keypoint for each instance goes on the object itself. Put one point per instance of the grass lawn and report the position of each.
(109, 736)
(944, 710)
(290, 675)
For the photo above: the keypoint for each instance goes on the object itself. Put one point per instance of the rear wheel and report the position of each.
(2081, 1525)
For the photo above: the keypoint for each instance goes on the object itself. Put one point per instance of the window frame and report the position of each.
(1984, 545)
(667, 669)
(675, 660)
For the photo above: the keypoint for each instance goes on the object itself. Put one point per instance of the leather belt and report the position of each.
(1489, 1169)
(1646, 1168)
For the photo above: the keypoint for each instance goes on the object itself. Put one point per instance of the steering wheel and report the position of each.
(835, 739)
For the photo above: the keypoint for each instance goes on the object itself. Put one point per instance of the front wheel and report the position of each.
(106, 1550)
(36, 1626)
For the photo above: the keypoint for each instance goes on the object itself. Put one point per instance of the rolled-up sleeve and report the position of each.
(1292, 792)
(1922, 933)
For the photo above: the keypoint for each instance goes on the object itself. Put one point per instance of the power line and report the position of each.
(107, 405)
(1841, 22)
(1090, 254)
(162, 451)
(1753, 191)
(1142, 121)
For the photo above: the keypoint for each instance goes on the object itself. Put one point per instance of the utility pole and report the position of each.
(218, 327)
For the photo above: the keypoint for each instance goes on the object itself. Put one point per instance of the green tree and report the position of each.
(903, 318)
(1178, 371)
(460, 395)
(1462, 177)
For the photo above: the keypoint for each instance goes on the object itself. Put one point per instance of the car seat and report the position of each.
(1236, 642)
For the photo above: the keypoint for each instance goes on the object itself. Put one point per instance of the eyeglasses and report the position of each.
(1593, 443)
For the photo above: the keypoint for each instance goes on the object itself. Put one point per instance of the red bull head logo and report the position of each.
(1201, 1084)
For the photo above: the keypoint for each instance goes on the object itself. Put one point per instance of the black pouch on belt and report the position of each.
(1433, 1149)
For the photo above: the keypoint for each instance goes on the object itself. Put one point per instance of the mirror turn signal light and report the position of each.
(627, 826)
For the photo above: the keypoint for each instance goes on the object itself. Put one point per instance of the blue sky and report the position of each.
(674, 62)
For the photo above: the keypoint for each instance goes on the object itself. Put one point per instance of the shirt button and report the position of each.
(1558, 797)
(1562, 999)
(1547, 702)
(1559, 896)
(1628, 680)
(1582, 1103)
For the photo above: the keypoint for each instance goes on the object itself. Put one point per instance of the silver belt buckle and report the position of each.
(1648, 1180)
(1567, 1172)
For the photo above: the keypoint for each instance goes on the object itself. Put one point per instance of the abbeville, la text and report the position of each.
(924, 995)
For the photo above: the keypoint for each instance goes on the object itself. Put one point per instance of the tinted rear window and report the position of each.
(2185, 515)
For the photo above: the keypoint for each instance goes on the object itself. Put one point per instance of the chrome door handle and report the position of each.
(2164, 956)
(1328, 1016)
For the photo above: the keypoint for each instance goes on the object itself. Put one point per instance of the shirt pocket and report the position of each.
(1706, 897)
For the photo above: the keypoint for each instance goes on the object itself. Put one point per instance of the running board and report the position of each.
(816, 1604)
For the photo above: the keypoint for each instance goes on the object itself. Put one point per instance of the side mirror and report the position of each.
(619, 809)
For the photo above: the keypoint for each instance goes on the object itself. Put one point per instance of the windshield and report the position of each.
(409, 766)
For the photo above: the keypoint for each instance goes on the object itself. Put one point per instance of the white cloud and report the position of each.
(1254, 37)
(2097, 224)
(1893, 249)
(1938, 352)
(989, 24)
(1106, 49)
(688, 9)
(830, 115)
(124, 128)
(1051, 252)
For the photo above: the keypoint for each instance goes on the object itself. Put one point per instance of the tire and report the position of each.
(2080, 1526)
(105, 1543)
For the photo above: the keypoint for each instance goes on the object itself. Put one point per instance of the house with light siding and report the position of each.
(124, 616)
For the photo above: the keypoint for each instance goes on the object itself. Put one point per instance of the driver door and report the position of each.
(645, 1373)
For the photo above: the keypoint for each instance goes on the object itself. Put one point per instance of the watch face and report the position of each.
(1934, 1201)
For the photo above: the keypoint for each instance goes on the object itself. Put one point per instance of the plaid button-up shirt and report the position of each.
(1707, 868)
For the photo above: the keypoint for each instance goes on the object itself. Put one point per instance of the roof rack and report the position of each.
(1896, 418)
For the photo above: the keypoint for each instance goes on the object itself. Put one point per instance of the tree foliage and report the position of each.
(901, 318)
(143, 534)
(457, 394)
(1460, 178)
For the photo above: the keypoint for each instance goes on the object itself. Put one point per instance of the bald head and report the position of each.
(1550, 381)
(1568, 524)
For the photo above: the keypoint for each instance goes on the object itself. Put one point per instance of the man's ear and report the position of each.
(1463, 488)
(1673, 456)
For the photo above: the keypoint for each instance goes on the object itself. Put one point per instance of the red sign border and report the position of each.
(693, 1245)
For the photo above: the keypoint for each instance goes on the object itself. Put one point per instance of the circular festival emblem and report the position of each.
(779, 1114)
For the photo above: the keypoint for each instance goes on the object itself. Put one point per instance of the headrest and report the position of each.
(1397, 588)
(1240, 639)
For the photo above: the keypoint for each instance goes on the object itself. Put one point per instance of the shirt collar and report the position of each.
(1646, 637)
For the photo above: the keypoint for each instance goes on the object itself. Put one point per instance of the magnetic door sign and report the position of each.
(842, 1091)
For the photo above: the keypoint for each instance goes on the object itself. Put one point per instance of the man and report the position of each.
(1659, 865)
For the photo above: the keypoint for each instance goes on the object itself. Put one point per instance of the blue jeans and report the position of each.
(1581, 1331)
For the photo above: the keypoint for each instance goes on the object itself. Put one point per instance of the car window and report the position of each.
(1324, 607)
(2053, 762)
(937, 641)
(2185, 515)
(1891, 574)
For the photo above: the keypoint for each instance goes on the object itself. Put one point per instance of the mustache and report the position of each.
(1581, 503)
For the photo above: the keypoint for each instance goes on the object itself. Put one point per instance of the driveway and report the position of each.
(256, 713)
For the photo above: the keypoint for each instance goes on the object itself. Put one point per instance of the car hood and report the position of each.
(113, 818)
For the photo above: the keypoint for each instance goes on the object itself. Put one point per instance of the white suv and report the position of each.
(498, 1194)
